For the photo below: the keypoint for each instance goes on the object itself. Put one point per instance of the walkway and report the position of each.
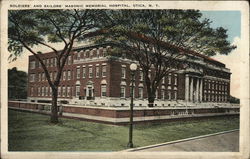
(225, 142)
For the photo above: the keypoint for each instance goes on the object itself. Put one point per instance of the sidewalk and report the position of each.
(219, 142)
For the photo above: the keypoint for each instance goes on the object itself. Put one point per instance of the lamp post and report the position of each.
(133, 68)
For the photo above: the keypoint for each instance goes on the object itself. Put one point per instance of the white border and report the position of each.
(204, 5)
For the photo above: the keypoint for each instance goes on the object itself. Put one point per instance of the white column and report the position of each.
(191, 89)
(201, 85)
(197, 90)
(187, 88)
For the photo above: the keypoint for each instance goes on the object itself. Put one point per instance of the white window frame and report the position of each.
(124, 93)
(69, 75)
(78, 73)
(84, 72)
(90, 72)
(140, 92)
(97, 71)
(104, 71)
(123, 72)
(77, 91)
(141, 76)
(104, 87)
(163, 94)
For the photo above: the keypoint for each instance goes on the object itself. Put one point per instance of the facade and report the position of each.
(92, 76)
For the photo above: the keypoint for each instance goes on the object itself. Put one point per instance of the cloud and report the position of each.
(233, 62)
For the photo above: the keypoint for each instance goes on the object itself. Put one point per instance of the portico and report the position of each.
(193, 88)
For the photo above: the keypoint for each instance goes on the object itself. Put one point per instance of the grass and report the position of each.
(32, 132)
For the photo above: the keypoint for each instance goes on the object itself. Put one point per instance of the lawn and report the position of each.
(32, 132)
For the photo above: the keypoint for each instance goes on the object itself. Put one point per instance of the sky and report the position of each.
(230, 20)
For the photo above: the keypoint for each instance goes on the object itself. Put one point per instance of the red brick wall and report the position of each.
(122, 113)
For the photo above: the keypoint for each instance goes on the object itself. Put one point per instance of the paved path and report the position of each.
(227, 142)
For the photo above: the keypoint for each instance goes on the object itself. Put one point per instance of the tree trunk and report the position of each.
(151, 100)
(151, 96)
(54, 108)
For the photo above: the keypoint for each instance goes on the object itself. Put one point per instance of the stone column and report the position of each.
(201, 85)
(197, 90)
(191, 89)
(187, 88)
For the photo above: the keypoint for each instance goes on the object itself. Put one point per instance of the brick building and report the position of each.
(92, 76)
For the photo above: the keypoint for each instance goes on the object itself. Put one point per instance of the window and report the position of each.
(32, 77)
(77, 91)
(69, 75)
(123, 91)
(31, 91)
(78, 55)
(175, 80)
(141, 76)
(90, 72)
(32, 64)
(46, 91)
(175, 95)
(162, 94)
(59, 91)
(104, 52)
(97, 71)
(169, 79)
(78, 73)
(64, 75)
(39, 77)
(42, 91)
(97, 52)
(64, 91)
(68, 91)
(38, 91)
(91, 53)
(104, 71)
(39, 64)
(123, 75)
(50, 74)
(50, 62)
(103, 91)
(156, 94)
(69, 60)
(55, 61)
(140, 93)
(163, 80)
(42, 76)
(169, 95)
(50, 93)
(83, 72)
(55, 74)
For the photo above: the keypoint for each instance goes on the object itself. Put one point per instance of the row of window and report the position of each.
(96, 52)
(215, 92)
(66, 91)
(159, 94)
(51, 62)
(68, 74)
(215, 98)
(218, 85)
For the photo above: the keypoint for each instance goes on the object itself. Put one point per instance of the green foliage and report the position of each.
(31, 132)
(28, 28)
(182, 28)
(235, 100)
(17, 84)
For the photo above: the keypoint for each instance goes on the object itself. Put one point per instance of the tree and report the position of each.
(161, 39)
(47, 28)
(17, 84)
